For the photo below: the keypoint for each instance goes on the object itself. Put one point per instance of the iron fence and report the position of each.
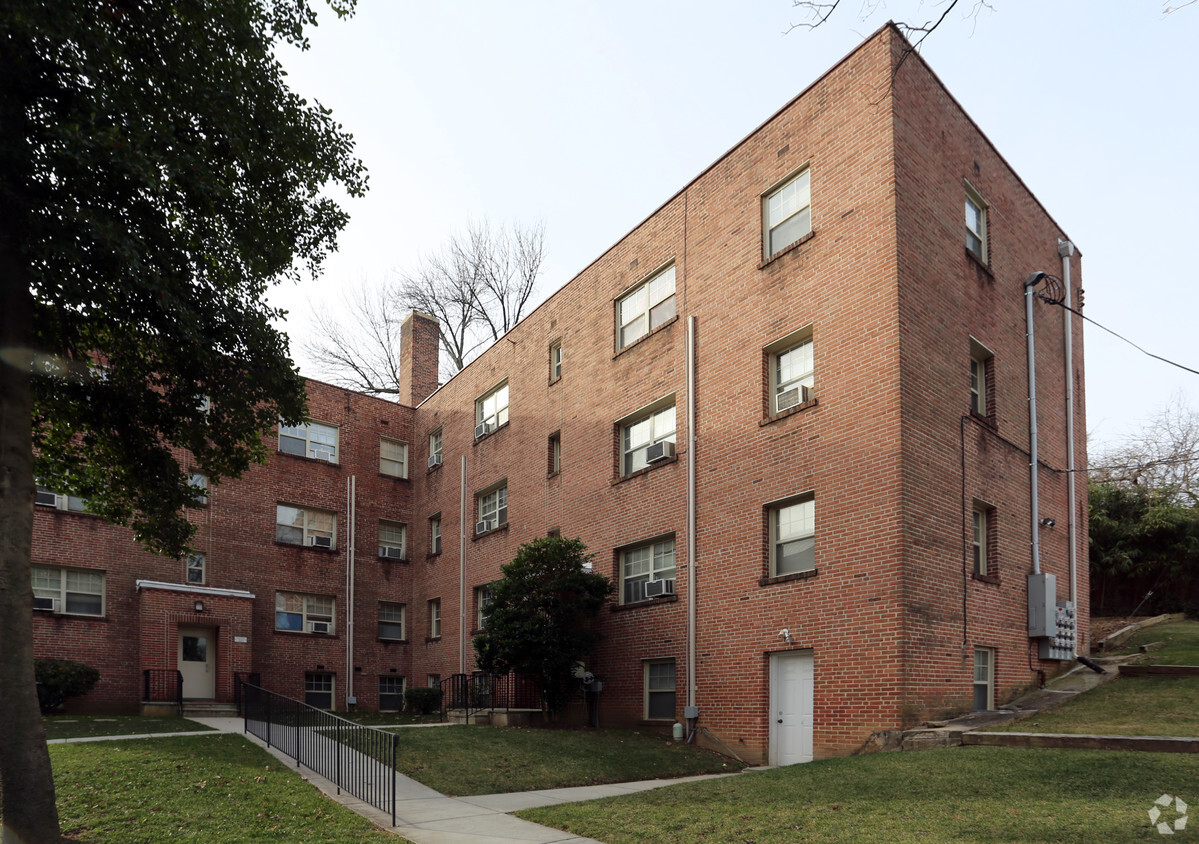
(354, 757)
(239, 677)
(163, 685)
(474, 693)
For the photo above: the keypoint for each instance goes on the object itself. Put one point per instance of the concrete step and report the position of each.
(1154, 744)
(209, 709)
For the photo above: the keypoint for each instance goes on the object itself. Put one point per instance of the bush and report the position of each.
(422, 700)
(59, 679)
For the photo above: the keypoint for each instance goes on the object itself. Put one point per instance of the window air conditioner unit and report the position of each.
(321, 454)
(435, 459)
(319, 626)
(483, 429)
(654, 588)
(321, 541)
(659, 451)
(483, 527)
(391, 552)
(45, 604)
(46, 498)
(794, 397)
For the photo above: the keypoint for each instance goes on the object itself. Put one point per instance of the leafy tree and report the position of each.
(540, 614)
(156, 176)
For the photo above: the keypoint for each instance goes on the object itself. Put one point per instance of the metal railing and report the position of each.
(163, 685)
(474, 693)
(239, 677)
(354, 757)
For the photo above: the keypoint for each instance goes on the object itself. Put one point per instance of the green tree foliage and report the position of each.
(156, 177)
(1142, 539)
(540, 615)
(59, 679)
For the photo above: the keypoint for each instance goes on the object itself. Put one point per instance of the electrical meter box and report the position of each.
(1042, 605)
(1061, 644)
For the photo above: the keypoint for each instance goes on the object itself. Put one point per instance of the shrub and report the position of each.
(59, 679)
(422, 700)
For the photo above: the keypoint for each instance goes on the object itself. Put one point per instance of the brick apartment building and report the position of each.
(787, 413)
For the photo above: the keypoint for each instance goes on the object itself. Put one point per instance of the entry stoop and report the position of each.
(209, 709)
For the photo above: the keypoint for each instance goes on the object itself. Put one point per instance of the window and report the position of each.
(787, 213)
(647, 439)
(391, 693)
(647, 571)
(482, 606)
(194, 569)
(793, 537)
(71, 591)
(981, 394)
(393, 540)
(60, 501)
(976, 224)
(435, 449)
(646, 307)
(435, 618)
(300, 526)
(555, 360)
(318, 690)
(199, 485)
(491, 411)
(555, 454)
(304, 613)
(393, 458)
(984, 679)
(435, 534)
(309, 440)
(659, 689)
(493, 509)
(392, 619)
(982, 540)
(792, 371)
(434, 681)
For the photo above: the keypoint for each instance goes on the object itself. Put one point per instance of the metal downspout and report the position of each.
(352, 512)
(462, 541)
(692, 686)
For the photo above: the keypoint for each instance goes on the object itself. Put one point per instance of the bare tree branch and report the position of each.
(1167, 9)
(364, 356)
(1163, 456)
(817, 13)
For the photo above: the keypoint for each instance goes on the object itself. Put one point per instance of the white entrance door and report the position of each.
(197, 661)
(792, 685)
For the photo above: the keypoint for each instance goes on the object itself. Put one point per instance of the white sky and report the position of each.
(588, 115)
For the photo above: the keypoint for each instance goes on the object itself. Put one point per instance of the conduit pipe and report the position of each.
(462, 543)
(352, 526)
(1034, 521)
(1066, 249)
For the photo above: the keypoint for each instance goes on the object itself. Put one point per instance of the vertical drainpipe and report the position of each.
(692, 686)
(463, 538)
(351, 496)
(1033, 281)
(1066, 249)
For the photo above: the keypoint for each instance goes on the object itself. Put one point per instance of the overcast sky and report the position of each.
(588, 115)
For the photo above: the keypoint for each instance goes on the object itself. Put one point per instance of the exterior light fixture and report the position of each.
(199, 606)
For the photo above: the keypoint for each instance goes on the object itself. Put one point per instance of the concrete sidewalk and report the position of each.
(428, 817)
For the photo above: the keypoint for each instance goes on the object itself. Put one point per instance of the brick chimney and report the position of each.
(419, 348)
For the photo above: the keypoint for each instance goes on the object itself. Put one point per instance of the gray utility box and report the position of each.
(1042, 605)
(1061, 646)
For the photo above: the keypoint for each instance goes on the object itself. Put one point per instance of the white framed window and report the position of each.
(199, 484)
(435, 618)
(647, 571)
(647, 306)
(312, 439)
(792, 362)
(304, 613)
(435, 534)
(491, 411)
(555, 453)
(482, 606)
(305, 526)
(393, 621)
(555, 360)
(195, 568)
(787, 213)
(493, 508)
(982, 519)
(659, 689)
(393, 458)
(435, 456)
(393, 540)
(433, 681)
(980, 379)
(984, 679)
(793, 536)
(391, 693)
(976, 224)
(318, 690)
(68, 591)
(47, 497)
(647, 438)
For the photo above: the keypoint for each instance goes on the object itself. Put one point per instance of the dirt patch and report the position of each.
(1103, 627)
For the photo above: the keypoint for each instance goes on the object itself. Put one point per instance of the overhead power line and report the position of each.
(1125, 339)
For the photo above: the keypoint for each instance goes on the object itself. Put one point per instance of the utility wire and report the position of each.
(1125, 339)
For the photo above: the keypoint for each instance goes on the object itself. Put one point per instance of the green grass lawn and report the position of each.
(1181, 639)
(463, 760)
(1125, 706)
(218, 788)
(75, 726)
(974, 794)
(388, 719)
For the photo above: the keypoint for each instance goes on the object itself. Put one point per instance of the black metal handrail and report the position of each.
(163, 685)
(239, 677)
(360, 759)
(475, 693)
